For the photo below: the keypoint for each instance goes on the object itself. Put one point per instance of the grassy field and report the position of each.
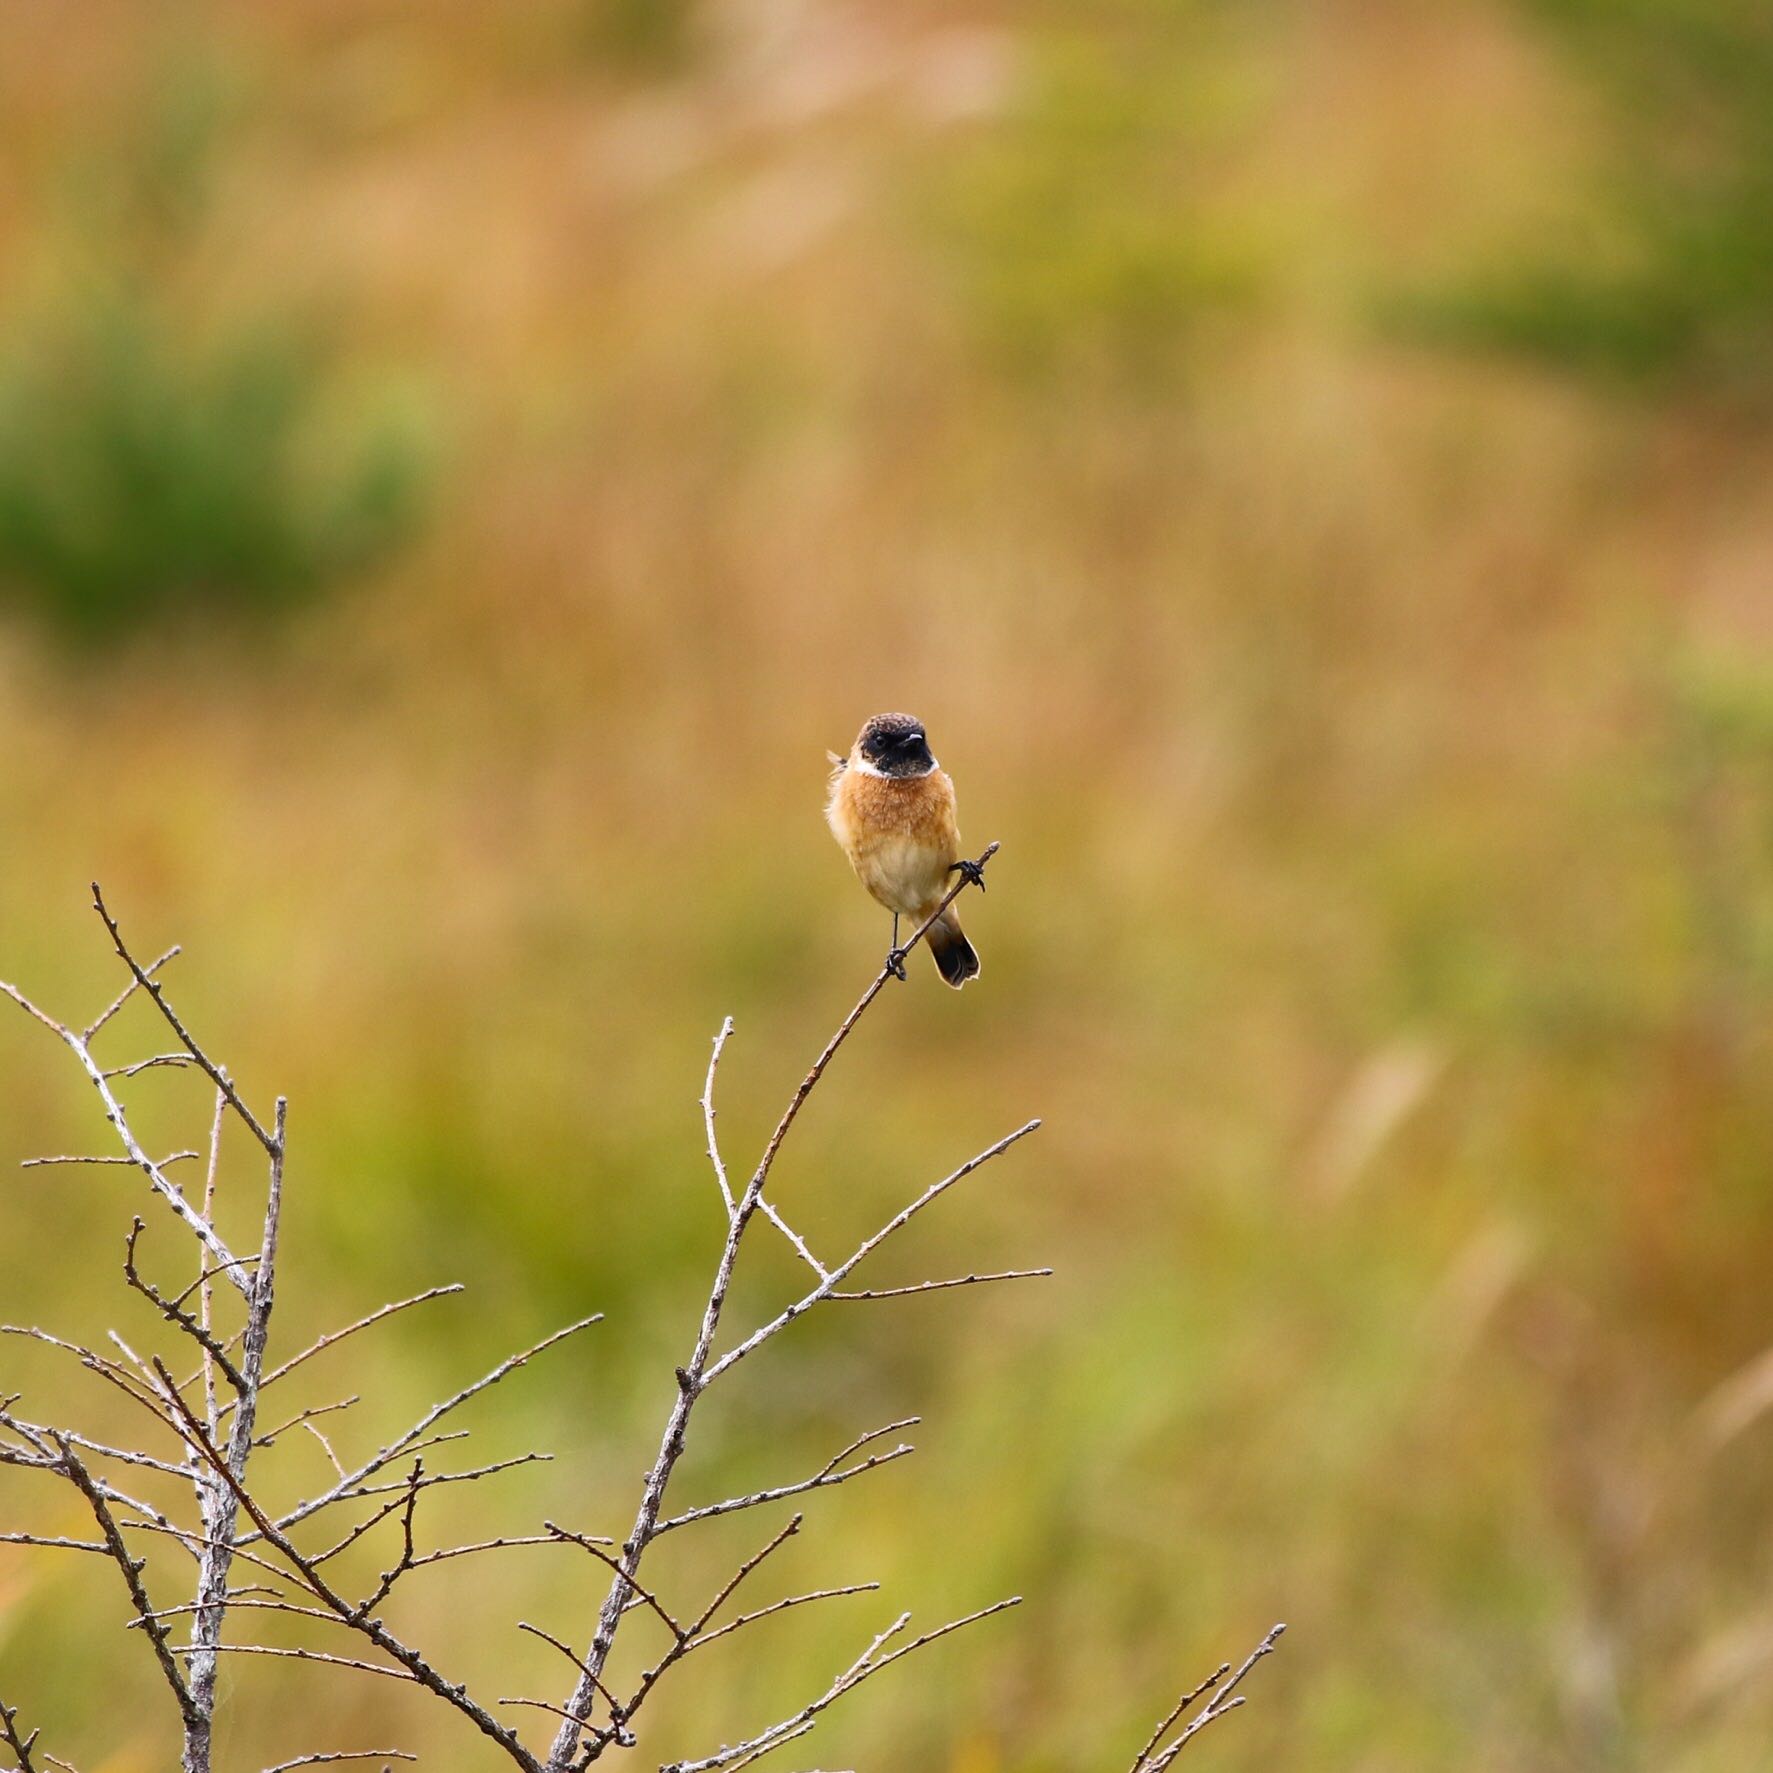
(579, 416)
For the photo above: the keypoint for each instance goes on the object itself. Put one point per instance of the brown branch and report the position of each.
(824, 1479)
(940, 1286)
(217, 1075)
(404, 1562)
(174, 1314)
(131, 1570)
(159, 1059)
(1224, 1698)
(603, 1557)
(334, 1337)
(408, 1441)
(21, 1746)
(618, 1714)
(686, 1637)
(413, 1665)
(343, 1754)
(306, 1418)
(865, 1249)
(865, 1667)
(481, 1545)
(126, 994)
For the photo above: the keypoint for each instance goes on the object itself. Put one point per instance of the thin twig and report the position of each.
(820, 1480)
(333, 1338)
(604, 1558)
(217, 1075)
(867, 1665)
(865, 1249)
(1225, 1698)
(126, 994)
(413, 1666)
(343, 1754)
(131, 1570)
(174, 1314)
(21, 1746)
(408, 1441)
(941, 1286)
(128, 1163)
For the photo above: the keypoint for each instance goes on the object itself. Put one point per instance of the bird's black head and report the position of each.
(896, 745)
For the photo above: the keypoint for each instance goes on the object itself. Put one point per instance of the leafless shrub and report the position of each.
(251, 1555)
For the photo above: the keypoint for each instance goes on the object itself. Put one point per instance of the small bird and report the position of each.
(892, 810)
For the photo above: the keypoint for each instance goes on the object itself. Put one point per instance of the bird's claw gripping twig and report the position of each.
(895, 963)
(974, 872)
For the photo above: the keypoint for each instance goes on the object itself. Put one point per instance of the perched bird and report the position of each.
(892, 810)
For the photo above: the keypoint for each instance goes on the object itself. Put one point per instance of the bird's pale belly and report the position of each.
(905, 874)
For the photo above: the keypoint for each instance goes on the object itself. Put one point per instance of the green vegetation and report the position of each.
(156, 469)
(1083, 227)
(1672, 278)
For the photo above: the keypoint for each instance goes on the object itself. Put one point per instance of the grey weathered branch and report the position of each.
(21, 1745)
(701, 1368)
(870, 1663)
(1157, 1754)
(213, 1440)
(832, 1473)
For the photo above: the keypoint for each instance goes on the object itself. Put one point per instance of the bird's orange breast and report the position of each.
(899, 834)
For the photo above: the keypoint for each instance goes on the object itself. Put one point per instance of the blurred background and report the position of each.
(460, 467)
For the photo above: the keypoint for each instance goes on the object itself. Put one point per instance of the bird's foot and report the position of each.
(973, 872)
(895, 962)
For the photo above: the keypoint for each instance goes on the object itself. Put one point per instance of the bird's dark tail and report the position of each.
(956, 960)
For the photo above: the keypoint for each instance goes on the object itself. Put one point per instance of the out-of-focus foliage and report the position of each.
(1087, 227)
(1672, 276)
(163, 462)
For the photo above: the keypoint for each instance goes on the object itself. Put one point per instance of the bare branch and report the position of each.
(126, 994)
(21, 1746)
(344, 1754)
(618, 1715)
(158, 1180)
(404, 1562)
(1224, 1699)
(174, 1314)
(820, 1480)
(206, 1275)
(49, 1542)
(409, 1440)
(940, 1286)
(153, 1064)
(128, 1163)
(307, 1418)
(826, 1287)
(708, 1114)
(693, 1377)
(333, 1338)
(374, 1668)
(201, 1286)
(603, 1557)
(868, 1664)
(781, 1606)
(481, 1545)
(38, 1435)
(217, 1075)
(131, 1570)
(413, 1664)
